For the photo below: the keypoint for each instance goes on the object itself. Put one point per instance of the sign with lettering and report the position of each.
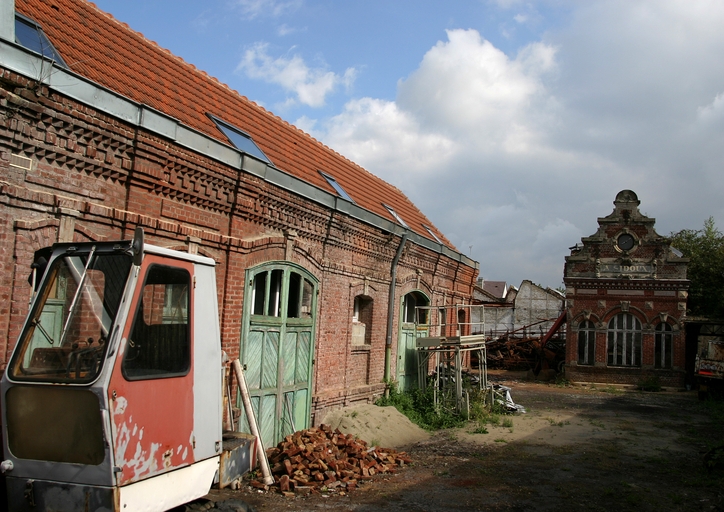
(638, 269)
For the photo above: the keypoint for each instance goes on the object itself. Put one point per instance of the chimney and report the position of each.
(7, 20)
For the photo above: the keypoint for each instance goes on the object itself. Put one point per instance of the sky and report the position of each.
(511, 124)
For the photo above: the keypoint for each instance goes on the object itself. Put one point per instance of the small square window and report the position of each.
(396, 216)
(240, 140)
(337, 187)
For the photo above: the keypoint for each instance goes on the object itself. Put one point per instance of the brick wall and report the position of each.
(92, 177)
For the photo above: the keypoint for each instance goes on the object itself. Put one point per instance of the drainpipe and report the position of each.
(7, 20)
(391, 307)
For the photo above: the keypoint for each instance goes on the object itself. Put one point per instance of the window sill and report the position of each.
(361, 348)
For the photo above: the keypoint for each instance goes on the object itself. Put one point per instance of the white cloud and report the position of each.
(470, 89)
(285, 30)
(713, 112)
(380, 135)
(310, 85)
(518, 154)
(251, 9)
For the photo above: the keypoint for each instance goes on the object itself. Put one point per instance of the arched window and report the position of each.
(415, 307)
(663, 346)
(624, 340)
(586, 342)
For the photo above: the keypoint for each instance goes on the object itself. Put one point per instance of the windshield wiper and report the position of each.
(78, 291)
(36, 323)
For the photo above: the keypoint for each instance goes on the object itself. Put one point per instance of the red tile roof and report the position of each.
(110, 53)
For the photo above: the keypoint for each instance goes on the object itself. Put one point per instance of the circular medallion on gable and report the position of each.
(625, 242)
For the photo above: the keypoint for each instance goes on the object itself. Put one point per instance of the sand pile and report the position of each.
(379, 426)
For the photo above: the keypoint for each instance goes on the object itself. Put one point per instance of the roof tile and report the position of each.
(109, 52)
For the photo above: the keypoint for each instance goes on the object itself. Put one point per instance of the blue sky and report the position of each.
(512, 124)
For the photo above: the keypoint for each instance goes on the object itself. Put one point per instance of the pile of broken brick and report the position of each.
(322, 459)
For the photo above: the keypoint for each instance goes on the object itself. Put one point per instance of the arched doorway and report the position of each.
(413, 323)
(277, 345)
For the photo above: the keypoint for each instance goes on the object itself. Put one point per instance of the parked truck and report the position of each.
(113, 397)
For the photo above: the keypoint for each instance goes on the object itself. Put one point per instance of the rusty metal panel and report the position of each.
(30, 495)
(237, 457)
(54, 424)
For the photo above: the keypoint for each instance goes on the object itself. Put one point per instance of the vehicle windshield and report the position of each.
(66, 337)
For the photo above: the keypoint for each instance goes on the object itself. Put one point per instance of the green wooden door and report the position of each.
(277, 348)
(406, 344)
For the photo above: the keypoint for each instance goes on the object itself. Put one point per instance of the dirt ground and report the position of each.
(576, 448)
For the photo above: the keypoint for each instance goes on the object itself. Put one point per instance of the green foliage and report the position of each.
(419, 406)
(705, 248)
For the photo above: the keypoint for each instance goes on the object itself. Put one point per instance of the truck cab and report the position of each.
(112, 399)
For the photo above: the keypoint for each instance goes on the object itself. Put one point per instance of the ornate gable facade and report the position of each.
(626, 291)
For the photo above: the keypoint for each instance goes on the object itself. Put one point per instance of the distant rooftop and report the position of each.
(498, 289)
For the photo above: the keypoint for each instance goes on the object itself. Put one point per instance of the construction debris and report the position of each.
(511, 353)
(321, 459)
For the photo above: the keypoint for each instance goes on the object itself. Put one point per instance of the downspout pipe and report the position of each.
(391, 307)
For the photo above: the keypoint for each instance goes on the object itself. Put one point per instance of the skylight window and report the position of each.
(432, 234)
(29, 35)
(240, 140)
(337, 187)
(395, 216)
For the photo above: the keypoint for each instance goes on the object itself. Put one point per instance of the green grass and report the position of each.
(611, 389)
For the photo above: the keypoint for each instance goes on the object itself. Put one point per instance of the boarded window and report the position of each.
(362, 321)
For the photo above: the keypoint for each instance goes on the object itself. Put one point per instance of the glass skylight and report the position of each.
(241, 141)
(395, 216)
(432, 234)
(29, 35)
(337, 187)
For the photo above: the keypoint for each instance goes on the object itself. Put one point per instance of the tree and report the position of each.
(705, 248)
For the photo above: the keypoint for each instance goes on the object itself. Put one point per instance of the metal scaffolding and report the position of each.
(446, 336)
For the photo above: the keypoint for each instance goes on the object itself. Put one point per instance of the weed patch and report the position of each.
(610, 389)
(419, 406)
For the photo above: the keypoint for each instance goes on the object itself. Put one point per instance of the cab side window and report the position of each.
(159, 345)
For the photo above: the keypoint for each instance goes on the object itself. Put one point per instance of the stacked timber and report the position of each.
(320, 458)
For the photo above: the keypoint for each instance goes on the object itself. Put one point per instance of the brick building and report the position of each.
(626, 291)
(101, 131)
